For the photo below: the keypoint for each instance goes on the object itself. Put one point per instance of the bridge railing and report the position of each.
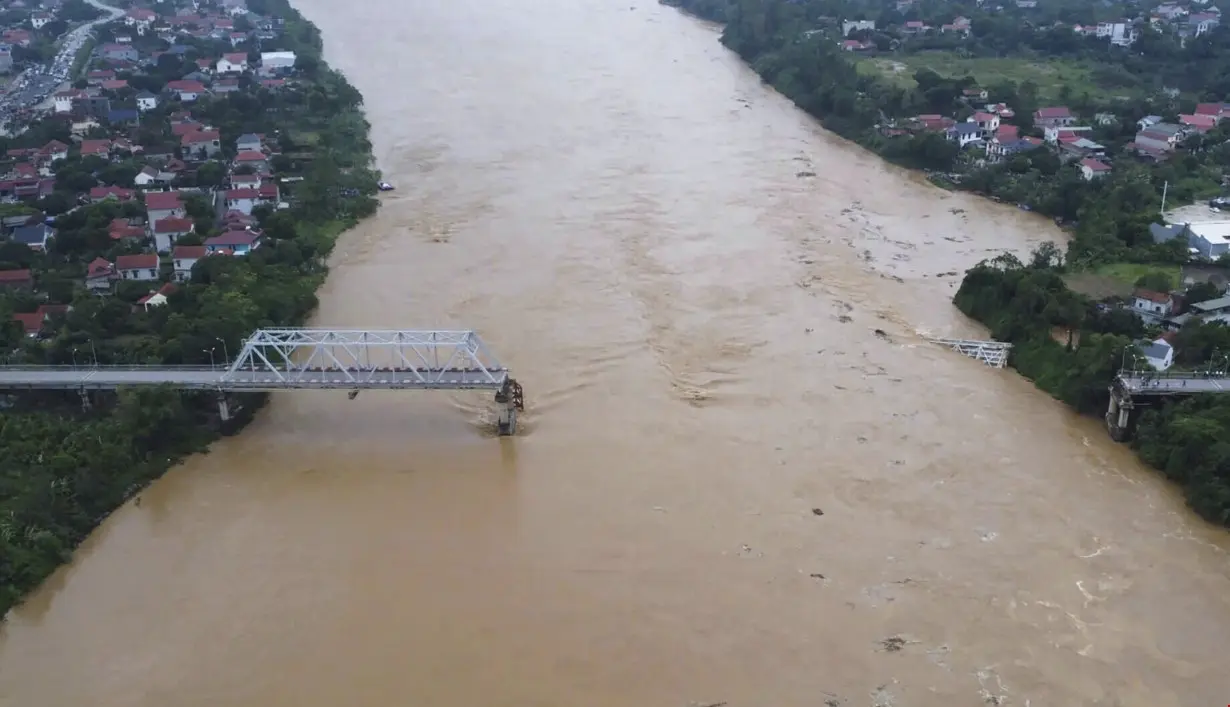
(107, 367)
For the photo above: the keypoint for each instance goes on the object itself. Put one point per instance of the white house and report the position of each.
(40, 19)
(241, 200)
(846, 27)
(988, 123)
(137, 267)
(1159, 354)
(146, 101)
(168, 230)
(184, 257)
(63, 100)
(964, 134)
(157, 299)
(1152, 306)
(1091, 169)
(160, 205)
(274, 63)
(233, 63)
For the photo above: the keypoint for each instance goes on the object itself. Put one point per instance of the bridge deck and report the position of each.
(107, 378)
(1174, 384)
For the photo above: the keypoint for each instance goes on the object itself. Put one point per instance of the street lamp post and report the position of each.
(93, 353)
(226, 354)
(74, 357)
(210, 351)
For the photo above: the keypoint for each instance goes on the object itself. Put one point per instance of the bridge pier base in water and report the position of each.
(511, 399)
(1119, 415)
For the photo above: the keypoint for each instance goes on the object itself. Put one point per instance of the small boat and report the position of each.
(385, 186)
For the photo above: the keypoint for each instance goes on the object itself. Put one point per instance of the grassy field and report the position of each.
(1117, 279)
(1049, 75)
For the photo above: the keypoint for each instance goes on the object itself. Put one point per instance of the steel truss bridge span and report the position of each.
(274, 360)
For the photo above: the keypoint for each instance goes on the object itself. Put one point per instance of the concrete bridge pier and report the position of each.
(1119, 415)
(511, 399)
(224, 407)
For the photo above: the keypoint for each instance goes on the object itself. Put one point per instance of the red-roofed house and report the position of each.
(20, 37)
(97, 148)
(1217, 110)
(1199, 122)
(1007, 133)
(115, 85)
(242, 200)
(1091, 169)
(186, 128)
(16, 279)
(201, 144)
(1153, 305)
(250, 158)
(987, 123)
(121, 229)
(237, 221)
(1053, 117)
(169, 230)
(54, 150)
(95, 78)
(184, 257)
(31, 323)
(245, 181)
(163, 204)
(99, 275)
(934, 122)
(137, 267)
(98, 194)
(141, 18)
(233, 63)
(187, 90)
(238, 242)
(156, 299)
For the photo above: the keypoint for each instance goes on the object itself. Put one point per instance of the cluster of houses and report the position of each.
(30, 174)
(1186, 19)
(987, 131)
(1170, 312)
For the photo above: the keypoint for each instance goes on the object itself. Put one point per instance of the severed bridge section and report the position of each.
(992, 353)
(322, 359)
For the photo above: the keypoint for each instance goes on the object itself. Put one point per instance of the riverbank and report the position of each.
(1028, 305)
(62, 470)
(915, 123)
(695, 329)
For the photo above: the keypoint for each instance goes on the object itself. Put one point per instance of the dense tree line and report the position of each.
(63, 469)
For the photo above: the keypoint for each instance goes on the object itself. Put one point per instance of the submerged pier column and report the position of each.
(510, 399)
(224, 408)
(1119, 414)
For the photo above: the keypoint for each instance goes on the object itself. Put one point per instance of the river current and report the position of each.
(728, 487)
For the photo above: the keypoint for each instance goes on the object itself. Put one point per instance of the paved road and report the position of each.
(35, 85)
(102, 378)
(1138, 385)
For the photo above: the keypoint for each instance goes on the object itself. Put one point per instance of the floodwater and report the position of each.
(615, 203)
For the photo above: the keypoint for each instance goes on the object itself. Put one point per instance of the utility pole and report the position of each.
(1165, 188)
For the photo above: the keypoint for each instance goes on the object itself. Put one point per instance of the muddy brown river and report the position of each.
(615, 203)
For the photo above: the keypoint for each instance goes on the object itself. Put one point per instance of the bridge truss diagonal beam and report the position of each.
(366, 359)
(992, 353)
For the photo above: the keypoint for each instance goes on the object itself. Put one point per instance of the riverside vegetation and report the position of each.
(62, 470)
(1065, 342)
